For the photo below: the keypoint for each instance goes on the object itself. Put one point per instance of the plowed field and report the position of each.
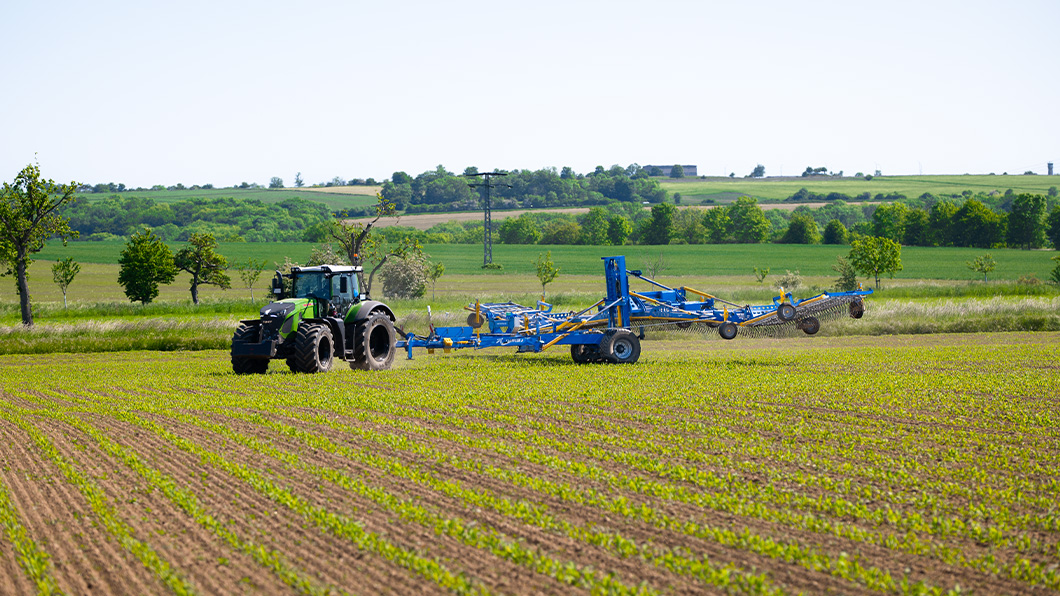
(849, 466)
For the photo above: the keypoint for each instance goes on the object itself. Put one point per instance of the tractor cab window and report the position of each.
(343, 292)
(312, 285)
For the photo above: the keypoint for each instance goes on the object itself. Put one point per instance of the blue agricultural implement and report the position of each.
(611, 329)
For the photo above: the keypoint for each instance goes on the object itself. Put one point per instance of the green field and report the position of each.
(334, 201)
(896, 465)
(680, 260)
(777, 189)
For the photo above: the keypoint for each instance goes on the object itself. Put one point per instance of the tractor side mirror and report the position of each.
(277, 285)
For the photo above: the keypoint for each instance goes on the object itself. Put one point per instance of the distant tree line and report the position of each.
(440, 190)
(226, 219)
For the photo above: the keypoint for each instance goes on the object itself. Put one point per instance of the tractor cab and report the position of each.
(336, 287)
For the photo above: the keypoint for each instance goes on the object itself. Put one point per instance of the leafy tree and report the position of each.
(1026, 222)
(975, 224)
(836, 233)
(917, 228)
(759, 171)
(325, 254)
(660, 227)
(249, 271)
(298, 182)
(760, 274)
(873, 256)
(749, 224)
(848, 276)
(406, 276)
(983, 264)
(400, 178)
(801, 230)
(716, 222)
(63, 273)
(546, 270)
(1054, 227)
(618, 229)
(276, 182)
(434, 271)
(561, 231)
(201, 260)
(940, 222)
(1054, 276)
(372, 251)
(29, 215)
(789, 282)
(677, 171)
(145, 262)
(594, 227)
(888, 221)
(519, 230)
(1053, 192)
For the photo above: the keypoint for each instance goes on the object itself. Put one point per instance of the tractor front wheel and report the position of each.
(314, 348)
(241, 365)
(373, 343)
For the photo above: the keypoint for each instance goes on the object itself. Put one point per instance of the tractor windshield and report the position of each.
(312, 285)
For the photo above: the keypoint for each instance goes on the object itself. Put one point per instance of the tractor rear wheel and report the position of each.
(314, 348)
(373, 343)
(241, 365)
(727, 330)
(785, 312)
(620, 346)
(810, 325)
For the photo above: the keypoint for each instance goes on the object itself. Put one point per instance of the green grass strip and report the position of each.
(36, 563)
(102, 507)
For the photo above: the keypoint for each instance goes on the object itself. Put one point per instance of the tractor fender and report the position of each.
(338, 332)
(366, 308)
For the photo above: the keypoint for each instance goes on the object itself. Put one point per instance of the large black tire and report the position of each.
(583, 354)
(314, 348)
(857, 309)
(727, 330)
(810, 325)
(786, 312)
(241, 365)
(292, 364)
(373, 343)
(620, 346)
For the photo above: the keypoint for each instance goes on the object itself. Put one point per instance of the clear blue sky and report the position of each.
(224, 92)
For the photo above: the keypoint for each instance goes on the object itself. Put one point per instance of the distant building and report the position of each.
(689, 170)
(1050, 168)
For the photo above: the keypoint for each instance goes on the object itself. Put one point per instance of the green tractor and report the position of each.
(326, 317)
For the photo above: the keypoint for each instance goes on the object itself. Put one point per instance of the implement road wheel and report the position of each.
(583, 354)
(727, 330)
(241, 365)
(373, 343)
(314, 348)
(810, 325)
(620, 346)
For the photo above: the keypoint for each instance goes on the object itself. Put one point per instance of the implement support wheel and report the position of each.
(727, 330)
(620, 346)
(583, 354)
(785, 312)
(810, 325)
(857, 309)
